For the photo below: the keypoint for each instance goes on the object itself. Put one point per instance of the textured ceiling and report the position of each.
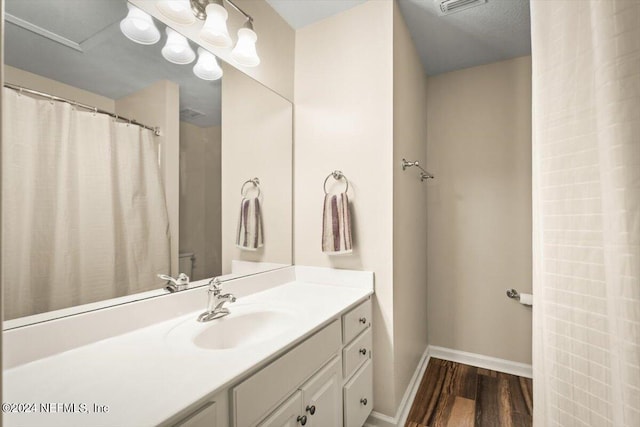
(107, 63)
(300, 13)
(497, 30)
(111, 65)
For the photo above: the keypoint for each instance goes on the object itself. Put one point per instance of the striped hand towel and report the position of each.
(250, 235)
(336, 225)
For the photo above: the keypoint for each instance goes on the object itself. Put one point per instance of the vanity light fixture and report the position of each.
(177, 49)
(215, 29)
(245, 51)
(207, 67)
(138, 26)
(177, 10)
(215, 32)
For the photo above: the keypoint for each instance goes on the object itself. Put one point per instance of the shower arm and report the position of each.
(423, 175)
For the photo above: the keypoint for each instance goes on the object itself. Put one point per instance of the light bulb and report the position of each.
(177, 48)
(207, 67)
(214, 29)
(138, 26)
(245, 51)
(177, 10)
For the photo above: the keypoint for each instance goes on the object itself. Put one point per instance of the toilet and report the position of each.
(185, 263)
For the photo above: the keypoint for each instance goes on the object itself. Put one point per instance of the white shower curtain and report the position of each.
(84, 215)
(586, 166)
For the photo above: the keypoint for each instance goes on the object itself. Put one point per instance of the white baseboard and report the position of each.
(481, 361)
(377, 419)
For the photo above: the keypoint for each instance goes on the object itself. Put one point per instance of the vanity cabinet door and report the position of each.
(358, 396)
(322, 398)
(255, 397)
(289, 414)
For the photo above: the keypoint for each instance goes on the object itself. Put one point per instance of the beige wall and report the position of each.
(257, 141)
(159, 105)
(275, 45)
(200, 226)
(213, 203)
(2, 80)
(409, 206)
(479, 222)
(53, 87)
(343, 120)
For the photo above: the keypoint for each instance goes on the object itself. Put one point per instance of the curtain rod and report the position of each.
(155, 129)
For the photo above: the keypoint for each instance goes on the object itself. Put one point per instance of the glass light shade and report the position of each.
(245, 51)
(138, 26)
(214, 30)
(177, 10)
(177, 48)
(207, 67)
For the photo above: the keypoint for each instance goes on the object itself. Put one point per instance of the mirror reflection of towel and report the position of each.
(250, 235)
(336, 225)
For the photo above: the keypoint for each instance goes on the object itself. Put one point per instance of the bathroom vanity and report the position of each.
(295, 350)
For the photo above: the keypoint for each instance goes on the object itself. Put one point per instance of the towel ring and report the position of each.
(337, 175)
(256, 184)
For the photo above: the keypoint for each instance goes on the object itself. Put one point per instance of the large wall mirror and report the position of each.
(94, 205)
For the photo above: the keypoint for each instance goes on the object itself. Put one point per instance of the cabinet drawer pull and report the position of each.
(302, 419)
(363, 401)
(363, 351)
(311, 409)
(363, 320)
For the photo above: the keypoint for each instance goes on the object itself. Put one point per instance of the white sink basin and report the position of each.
(244, 327)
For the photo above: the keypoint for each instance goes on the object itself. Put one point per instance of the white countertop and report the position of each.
(146, 376)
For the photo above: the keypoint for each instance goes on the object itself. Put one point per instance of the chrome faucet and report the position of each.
(215, 302)
(178, 284)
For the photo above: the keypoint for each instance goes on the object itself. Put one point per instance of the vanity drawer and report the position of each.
(259, 394)
(356, 321)
(356, 353)
(358, 397)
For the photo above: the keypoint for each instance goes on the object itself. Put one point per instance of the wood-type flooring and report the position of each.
(456, 395)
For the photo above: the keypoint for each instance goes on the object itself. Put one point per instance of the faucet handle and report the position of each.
(166, 277)
(178, 284)
(215, 285)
